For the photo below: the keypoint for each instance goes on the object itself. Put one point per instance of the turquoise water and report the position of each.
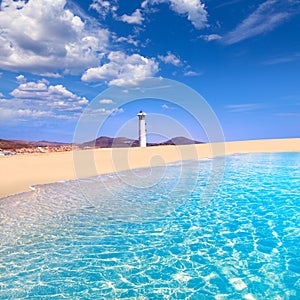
(103, 238)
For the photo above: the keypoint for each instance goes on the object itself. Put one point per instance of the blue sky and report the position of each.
(242, 56)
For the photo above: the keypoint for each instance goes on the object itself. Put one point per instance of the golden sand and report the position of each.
(19, 172)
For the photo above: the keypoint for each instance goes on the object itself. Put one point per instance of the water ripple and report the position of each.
(58, 243)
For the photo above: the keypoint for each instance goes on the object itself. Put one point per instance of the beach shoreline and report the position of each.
(20, 172)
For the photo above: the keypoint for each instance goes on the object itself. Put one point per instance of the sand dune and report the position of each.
(20, 172)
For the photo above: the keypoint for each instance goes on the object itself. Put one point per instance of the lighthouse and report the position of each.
(142, 128)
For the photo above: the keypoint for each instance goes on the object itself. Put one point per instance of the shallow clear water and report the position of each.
(103, 238)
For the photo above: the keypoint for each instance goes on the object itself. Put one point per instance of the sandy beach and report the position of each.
(20, 172)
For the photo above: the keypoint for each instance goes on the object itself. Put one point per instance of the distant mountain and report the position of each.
(107, 142)
(121, 142)
(180, 140)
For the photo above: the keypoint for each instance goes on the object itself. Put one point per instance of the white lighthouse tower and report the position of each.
(142, 128)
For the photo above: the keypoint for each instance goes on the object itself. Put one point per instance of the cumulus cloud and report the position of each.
(1, 95)
(210, 37)
(170, 58)
(16, 110)
(122, 69)
(193, 9)
(53, 96)
(104, 7)
(31, 100)
(135, 18)
(106, 101)
(21, 79)
(43, 36)
(265, 18)
(9, 113)
(129, 39)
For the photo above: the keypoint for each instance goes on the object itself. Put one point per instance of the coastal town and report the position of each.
(36, 150)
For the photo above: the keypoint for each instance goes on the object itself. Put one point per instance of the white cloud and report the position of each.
(113, 112)
(106, 101)
(17, 115)
(39, 99)
(210, 37)
(1, 95)
(21, 79)
(53, 96)
(243, 107)
(129, 39)
(265, 18)
(52, 75)
(15, 110)
(191, 73)
(43, 37)
(95, 113)
(135, 18)
(117, 111)
(104, 7)
(193, 9)
(122, 69)
(145, 4)
(170, 58)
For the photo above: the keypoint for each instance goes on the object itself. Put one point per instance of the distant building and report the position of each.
(6, 153)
